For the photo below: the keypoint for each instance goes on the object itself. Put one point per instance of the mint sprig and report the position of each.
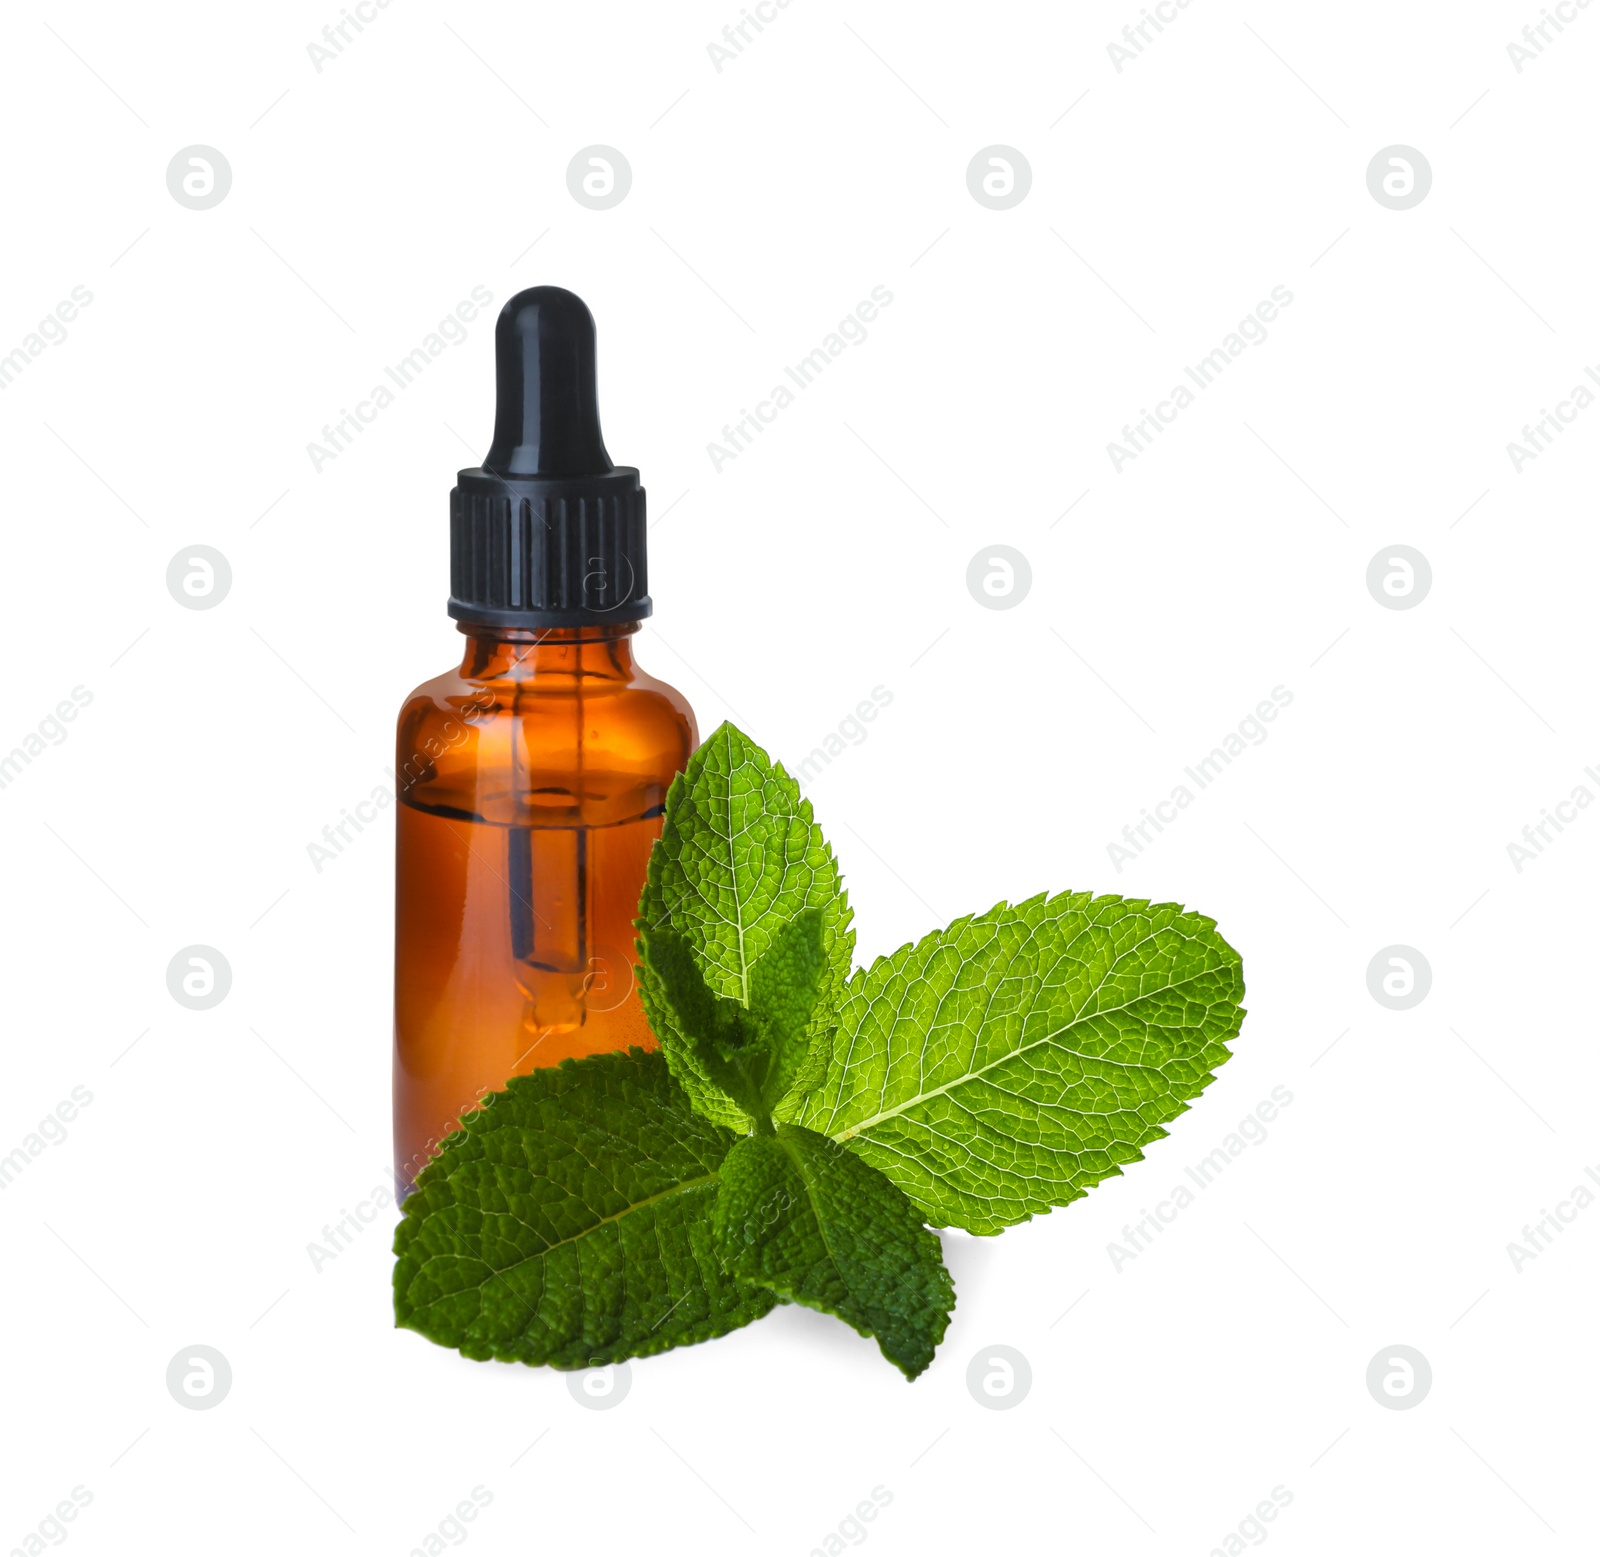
(802, 1124)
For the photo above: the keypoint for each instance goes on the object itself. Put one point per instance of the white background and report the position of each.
(768, 199)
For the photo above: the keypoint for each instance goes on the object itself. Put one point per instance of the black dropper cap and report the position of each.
(547, 532)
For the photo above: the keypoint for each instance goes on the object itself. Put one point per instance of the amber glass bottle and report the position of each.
(531, 780)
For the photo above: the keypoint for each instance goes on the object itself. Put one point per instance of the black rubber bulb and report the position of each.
(547, 418)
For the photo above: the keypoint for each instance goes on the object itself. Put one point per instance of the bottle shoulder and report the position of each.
(543, 750)
(641, 701)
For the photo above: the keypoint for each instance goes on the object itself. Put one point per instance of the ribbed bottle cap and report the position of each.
(547, 532)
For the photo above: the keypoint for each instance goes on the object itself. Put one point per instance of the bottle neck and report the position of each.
(515, 654)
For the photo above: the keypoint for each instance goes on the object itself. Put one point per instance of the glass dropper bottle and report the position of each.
(532, 778)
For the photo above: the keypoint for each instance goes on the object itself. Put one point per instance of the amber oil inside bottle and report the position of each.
(531, 785)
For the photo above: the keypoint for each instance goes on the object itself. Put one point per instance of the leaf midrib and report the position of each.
(733, 878)
(605, 1221)
(1011, 1054)
(788, 1149)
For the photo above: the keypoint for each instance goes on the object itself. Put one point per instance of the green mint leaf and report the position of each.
(710, 1037)
(786, 986)
(738, 860)
(568, 1222)
(801, 1215)
(752, 1054)
(1009, 1063)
